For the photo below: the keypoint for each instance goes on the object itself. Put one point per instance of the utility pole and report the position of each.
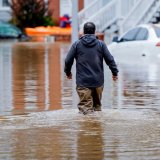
(74, 20)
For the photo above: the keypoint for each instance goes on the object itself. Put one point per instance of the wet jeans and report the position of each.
(90, 99)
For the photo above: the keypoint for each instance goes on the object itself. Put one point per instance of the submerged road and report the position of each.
(39, 118)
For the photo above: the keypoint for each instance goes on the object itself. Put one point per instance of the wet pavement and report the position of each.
(39, 118)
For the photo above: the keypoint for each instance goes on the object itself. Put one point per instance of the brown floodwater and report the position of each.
(39, 118)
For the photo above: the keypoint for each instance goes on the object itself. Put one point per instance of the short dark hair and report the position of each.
(89, 28)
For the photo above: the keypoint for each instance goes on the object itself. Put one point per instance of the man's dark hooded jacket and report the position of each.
(89, 53)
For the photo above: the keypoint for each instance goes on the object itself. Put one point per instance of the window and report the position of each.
(130, 35)
(5, 3)
(142, 34)
(157, 30)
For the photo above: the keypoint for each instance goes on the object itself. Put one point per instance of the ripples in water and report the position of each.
(39, 118)
(66, 134)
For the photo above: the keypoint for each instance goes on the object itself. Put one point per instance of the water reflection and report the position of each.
(140, 86)
(40, 144)
(65, 134)
(32, 80)
(90, 144)
(32, 76)
(5, 78)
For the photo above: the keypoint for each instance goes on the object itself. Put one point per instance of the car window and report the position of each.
(157, 30)
(142, 34)
(130, 35)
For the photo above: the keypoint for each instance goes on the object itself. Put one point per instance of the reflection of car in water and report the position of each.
(8, 31)
(139, 43)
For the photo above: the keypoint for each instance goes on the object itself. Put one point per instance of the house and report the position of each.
(110, 16)
(5, 10)
(59, 8)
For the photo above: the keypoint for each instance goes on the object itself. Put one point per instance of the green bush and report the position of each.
(30, 13)
(48, 21)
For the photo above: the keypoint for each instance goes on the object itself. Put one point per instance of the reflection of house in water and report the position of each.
(69, 94)
(139, 86)
(26, 77)
(54, 76)
(5, 78)
(30, 77)
(37, 74)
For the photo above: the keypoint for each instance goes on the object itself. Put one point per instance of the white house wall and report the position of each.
(65, 7)
(5, 12)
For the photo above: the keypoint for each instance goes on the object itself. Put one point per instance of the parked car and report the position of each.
(139, 43)
(8, 31)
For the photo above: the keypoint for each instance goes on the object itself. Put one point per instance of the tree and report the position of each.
(30, 13)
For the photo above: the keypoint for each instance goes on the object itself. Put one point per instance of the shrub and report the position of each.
(30, 13)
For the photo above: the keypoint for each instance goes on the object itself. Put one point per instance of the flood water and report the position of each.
(39, 118)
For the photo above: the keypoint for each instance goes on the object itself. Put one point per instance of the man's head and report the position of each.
(89, 28)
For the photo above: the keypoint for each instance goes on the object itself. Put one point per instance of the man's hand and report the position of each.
(69, 76)
(115, 78)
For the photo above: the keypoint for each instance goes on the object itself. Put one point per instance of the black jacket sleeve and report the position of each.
(70, 59)
(109, 60)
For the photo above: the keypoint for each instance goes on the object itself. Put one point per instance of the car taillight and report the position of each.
(158, 44)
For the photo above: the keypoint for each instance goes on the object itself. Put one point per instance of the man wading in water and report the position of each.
(89, 53)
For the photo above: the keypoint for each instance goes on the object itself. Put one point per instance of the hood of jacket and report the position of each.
(89, 40)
